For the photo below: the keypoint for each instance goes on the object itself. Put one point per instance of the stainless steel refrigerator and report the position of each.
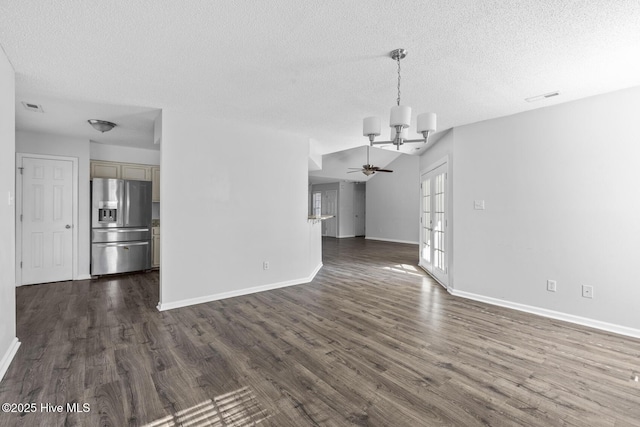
(120, 226)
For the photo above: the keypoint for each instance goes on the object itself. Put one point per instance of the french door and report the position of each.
(434, 234)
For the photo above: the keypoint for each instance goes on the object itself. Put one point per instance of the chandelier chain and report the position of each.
(398, 59)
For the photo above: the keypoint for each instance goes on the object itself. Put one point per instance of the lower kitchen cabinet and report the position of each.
(155, 247)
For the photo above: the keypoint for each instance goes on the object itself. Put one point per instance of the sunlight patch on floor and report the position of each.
(404, 268)
(238, 408)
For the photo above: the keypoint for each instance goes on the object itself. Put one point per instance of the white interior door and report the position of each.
(46, 220)
(330, 207)
(434, 223)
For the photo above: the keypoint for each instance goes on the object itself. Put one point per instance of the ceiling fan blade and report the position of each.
(359, 170)
(384, 170)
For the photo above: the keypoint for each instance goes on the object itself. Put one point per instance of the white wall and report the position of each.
(346, 218)
(561, 188)
(8, 341)
(116, 153)
(393, 202)
(233, 196)
(56, 145)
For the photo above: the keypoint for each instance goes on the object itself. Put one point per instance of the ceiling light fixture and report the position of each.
(400, 118)
(101, 125)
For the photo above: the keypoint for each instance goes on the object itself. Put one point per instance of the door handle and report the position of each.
(67, 226)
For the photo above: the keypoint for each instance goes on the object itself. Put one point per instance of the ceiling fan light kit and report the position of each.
(400, 118)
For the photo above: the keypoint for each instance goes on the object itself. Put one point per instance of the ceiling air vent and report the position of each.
(36, 108)
(541, 97)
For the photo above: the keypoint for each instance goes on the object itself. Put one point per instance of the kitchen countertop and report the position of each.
(317, 218)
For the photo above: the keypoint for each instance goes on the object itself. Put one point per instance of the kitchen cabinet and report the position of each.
(105, 169)
(155, 186)
(155, 247)
(137, 172)
(119, 170)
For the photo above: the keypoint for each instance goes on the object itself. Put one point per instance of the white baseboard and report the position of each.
(8, 357)
(346, 237)
(584, 321)
(223, 295)
(392, 240)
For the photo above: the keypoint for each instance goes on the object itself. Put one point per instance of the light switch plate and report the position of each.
(551, 285)
(478, 205)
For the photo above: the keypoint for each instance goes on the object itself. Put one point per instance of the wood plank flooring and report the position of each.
(372, 341)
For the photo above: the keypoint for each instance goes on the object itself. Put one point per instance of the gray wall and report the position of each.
(393, 202)
(220, 219)
(560, 186)
(346, 218)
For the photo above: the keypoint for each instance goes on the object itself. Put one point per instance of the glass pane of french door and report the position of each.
(439, 223)
(426, 221)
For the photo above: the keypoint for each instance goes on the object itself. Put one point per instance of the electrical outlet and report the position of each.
(587, 291)
(551, 285)
(265, 265)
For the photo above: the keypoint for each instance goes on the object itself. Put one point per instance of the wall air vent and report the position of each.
(36, 108)
(541, 97)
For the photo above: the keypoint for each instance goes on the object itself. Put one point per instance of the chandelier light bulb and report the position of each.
(400, 116)
(371, 126)
(426, 122)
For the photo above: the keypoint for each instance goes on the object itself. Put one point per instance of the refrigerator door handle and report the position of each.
(121, 244)
(127, 202)
(115, 230)
(121, 191)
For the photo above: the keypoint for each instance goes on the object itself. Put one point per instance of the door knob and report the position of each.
(67, 226)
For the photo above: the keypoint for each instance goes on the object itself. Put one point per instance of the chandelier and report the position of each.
(400, 118)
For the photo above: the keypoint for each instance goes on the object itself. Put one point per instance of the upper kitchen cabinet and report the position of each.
(105, 169)
(136, 172)
(155, 186)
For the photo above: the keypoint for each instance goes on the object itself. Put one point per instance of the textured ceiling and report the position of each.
(317, 68)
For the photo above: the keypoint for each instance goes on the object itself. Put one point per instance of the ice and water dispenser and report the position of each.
(107, 212)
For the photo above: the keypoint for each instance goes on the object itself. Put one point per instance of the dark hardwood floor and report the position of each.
(371, 341)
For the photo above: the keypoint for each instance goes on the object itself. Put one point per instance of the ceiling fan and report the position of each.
(369, 169)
